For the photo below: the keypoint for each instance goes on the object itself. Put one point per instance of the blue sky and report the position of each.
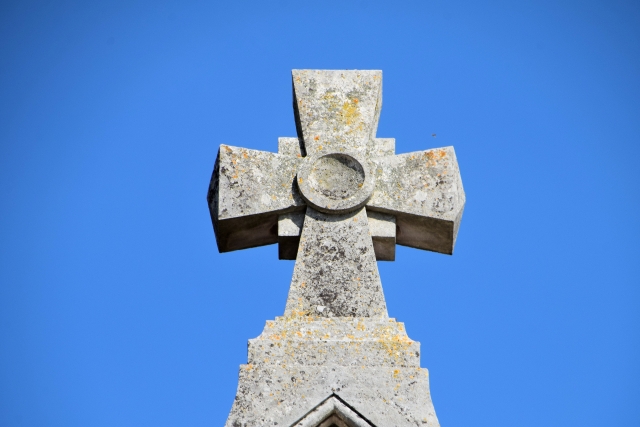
(117, 310)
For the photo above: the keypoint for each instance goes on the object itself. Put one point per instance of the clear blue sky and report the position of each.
(117, 310)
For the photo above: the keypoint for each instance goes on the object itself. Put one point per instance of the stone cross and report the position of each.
(336, 198)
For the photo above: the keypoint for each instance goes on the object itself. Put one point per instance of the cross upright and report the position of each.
(336, 198)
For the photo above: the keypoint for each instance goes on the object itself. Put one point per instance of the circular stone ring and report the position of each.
(335, 182)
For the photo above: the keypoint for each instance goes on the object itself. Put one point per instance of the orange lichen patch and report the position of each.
(245, 155)
(226, 147)
(316, 137)
(442, 153)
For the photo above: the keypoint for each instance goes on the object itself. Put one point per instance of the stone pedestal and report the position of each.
(305, 371)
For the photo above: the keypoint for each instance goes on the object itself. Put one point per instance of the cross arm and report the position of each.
(423, 190)
(248, 190)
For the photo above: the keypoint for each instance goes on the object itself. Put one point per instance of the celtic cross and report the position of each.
(336, 198)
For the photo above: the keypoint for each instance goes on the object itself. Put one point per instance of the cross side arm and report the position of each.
(423, 190)
(248, 190)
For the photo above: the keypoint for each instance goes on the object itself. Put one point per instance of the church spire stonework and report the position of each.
(335, 199)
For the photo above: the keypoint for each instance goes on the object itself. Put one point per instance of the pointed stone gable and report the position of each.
(333, 411)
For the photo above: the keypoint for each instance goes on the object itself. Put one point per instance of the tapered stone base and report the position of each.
(303, 372)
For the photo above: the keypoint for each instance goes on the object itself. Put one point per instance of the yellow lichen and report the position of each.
(350, 113)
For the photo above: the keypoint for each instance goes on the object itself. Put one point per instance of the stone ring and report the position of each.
(335, 183)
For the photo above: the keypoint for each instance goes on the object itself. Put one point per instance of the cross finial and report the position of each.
(336, 197)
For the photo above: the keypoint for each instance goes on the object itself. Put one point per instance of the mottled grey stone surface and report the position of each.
(336, 199)
(336, 274)
(337, 111)
(300, 361)
(382, 228)
(289, 230)
(248, 190)
(424, 191)
(335, 183)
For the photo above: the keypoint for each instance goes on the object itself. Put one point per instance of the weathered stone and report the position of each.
(383, 234)
(335, 182)
(318, 341)
(336, 274)
(423, 190)
(289, 230)
(248, 189)
(383, 244)
(335, 198)
(382, 228)
(298, 362)
(337, 111)
(292, 147)
(382, 147)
